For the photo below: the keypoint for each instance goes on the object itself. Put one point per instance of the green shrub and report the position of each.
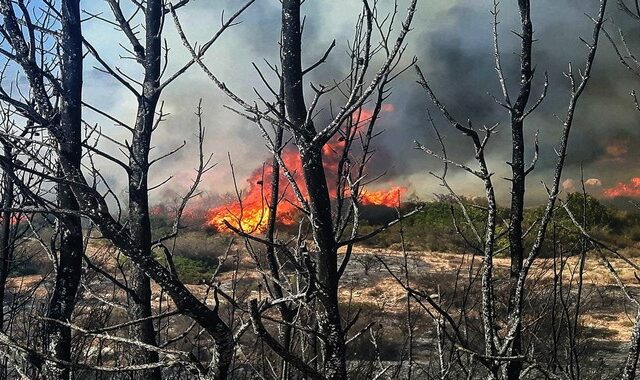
(194, 271)
(433, 228)
(196, 255)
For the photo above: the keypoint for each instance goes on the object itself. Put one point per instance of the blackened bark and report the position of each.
(286, 312)
(6, 241)
(69, 269)
(292, 70)
(518, 177)
(6, 244)
(329, 316)
(318, 193)
(139, 223)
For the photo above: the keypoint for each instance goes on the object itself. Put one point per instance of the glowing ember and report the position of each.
(252, 212)
(631, 189)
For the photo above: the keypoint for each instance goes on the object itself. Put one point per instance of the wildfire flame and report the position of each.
(621, 189)
(390, 198)
(252, 212)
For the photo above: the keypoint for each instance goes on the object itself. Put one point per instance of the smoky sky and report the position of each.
(452, 41)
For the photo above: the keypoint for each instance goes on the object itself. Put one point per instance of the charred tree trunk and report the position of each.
(329, 317)
(139, 223)
(518, 178)
(6, 244)
(318, 193)
(69, 266)
(286, 312)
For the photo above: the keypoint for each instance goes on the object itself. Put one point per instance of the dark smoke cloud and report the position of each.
(457, 56)
(453, 42)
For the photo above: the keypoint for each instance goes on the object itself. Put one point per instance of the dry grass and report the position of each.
(607, 319)
(606, 308)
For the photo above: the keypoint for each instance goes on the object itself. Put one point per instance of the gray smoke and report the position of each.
(453, 42)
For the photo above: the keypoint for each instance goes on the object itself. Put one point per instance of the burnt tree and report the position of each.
(64, 119)
(319, 267)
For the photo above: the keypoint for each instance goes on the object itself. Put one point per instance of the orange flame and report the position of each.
(390, 198)
(621, 189)
(252, 212)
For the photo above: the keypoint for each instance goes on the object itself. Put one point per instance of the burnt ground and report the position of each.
(606, 320)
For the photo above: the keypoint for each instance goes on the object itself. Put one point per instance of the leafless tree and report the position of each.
(55, 107)
(54, 103)
(327, 218)
(504, 352)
